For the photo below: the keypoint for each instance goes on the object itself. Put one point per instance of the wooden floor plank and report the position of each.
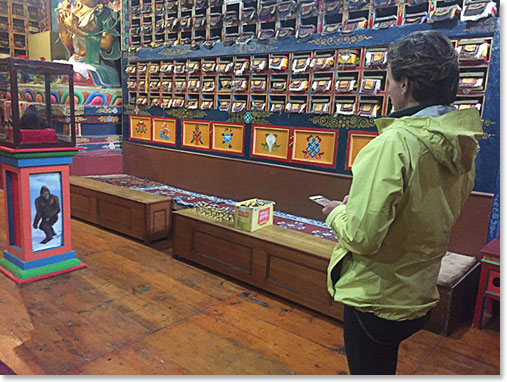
(481, 345)
(425, 369)
(63, 339)
(19, 359)
(131, 359)
(138, 310)
(457, 363)
(407, 365)
(51, 351)
(250, 332)
(15, 321)
(203, 352)
(291, 318)
(420, 345)
(87, 238)
(135, 277)
(152, 310)
(189, 275)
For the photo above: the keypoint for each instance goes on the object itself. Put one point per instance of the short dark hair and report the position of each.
(430, 62)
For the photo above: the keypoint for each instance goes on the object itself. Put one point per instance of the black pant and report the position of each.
(371, 342)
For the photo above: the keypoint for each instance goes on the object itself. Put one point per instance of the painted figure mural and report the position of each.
(89, 30)
(47, 207)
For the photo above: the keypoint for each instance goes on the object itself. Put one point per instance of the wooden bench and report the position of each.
(457, 286)
(287, 263)
(293, 265)
(134, 213)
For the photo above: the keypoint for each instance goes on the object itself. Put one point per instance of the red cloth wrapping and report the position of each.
(38, 136)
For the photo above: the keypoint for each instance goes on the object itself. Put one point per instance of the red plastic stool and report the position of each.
(489, 283)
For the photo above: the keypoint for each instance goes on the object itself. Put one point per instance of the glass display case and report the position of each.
(36, 104)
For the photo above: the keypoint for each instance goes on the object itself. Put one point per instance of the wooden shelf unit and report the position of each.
(475, 67)
(142, 78)
(363, 72)
(164, 23)
(19, 18)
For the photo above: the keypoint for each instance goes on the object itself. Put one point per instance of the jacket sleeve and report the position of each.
(377, 187)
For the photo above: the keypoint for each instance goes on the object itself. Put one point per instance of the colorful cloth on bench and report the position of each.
(189, 199)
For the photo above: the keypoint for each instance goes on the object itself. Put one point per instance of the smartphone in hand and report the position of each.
(319, 199)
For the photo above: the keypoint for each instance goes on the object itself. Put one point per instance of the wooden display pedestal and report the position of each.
(37, 210)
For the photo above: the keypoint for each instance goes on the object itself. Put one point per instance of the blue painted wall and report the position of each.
(53, 4)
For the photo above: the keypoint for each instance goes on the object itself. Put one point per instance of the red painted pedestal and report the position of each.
(489, 283)
(37, 210)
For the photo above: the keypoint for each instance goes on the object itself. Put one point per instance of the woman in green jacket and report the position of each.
(409, 186)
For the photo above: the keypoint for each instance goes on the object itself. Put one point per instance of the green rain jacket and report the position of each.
(408, 188)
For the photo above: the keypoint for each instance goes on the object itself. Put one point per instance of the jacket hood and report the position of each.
(450, 135)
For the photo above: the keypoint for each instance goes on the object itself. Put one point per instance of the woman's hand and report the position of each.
(334, 203)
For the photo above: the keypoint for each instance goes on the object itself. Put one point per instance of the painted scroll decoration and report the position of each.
(196, 134)
(356, 142)
(314, 146)
(164, 130)
(228, 137)
(140, 128)
(271, 142)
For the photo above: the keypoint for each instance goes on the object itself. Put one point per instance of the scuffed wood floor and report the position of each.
(136, 310)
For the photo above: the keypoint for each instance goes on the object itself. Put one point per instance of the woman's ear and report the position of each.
(404, 83)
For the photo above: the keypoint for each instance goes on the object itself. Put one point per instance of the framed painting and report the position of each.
(140, 128)
(46, 210)
(355, 143)
(315, 146)
(195, 134)
(271, 142)
(164, 130)
(228, 137)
